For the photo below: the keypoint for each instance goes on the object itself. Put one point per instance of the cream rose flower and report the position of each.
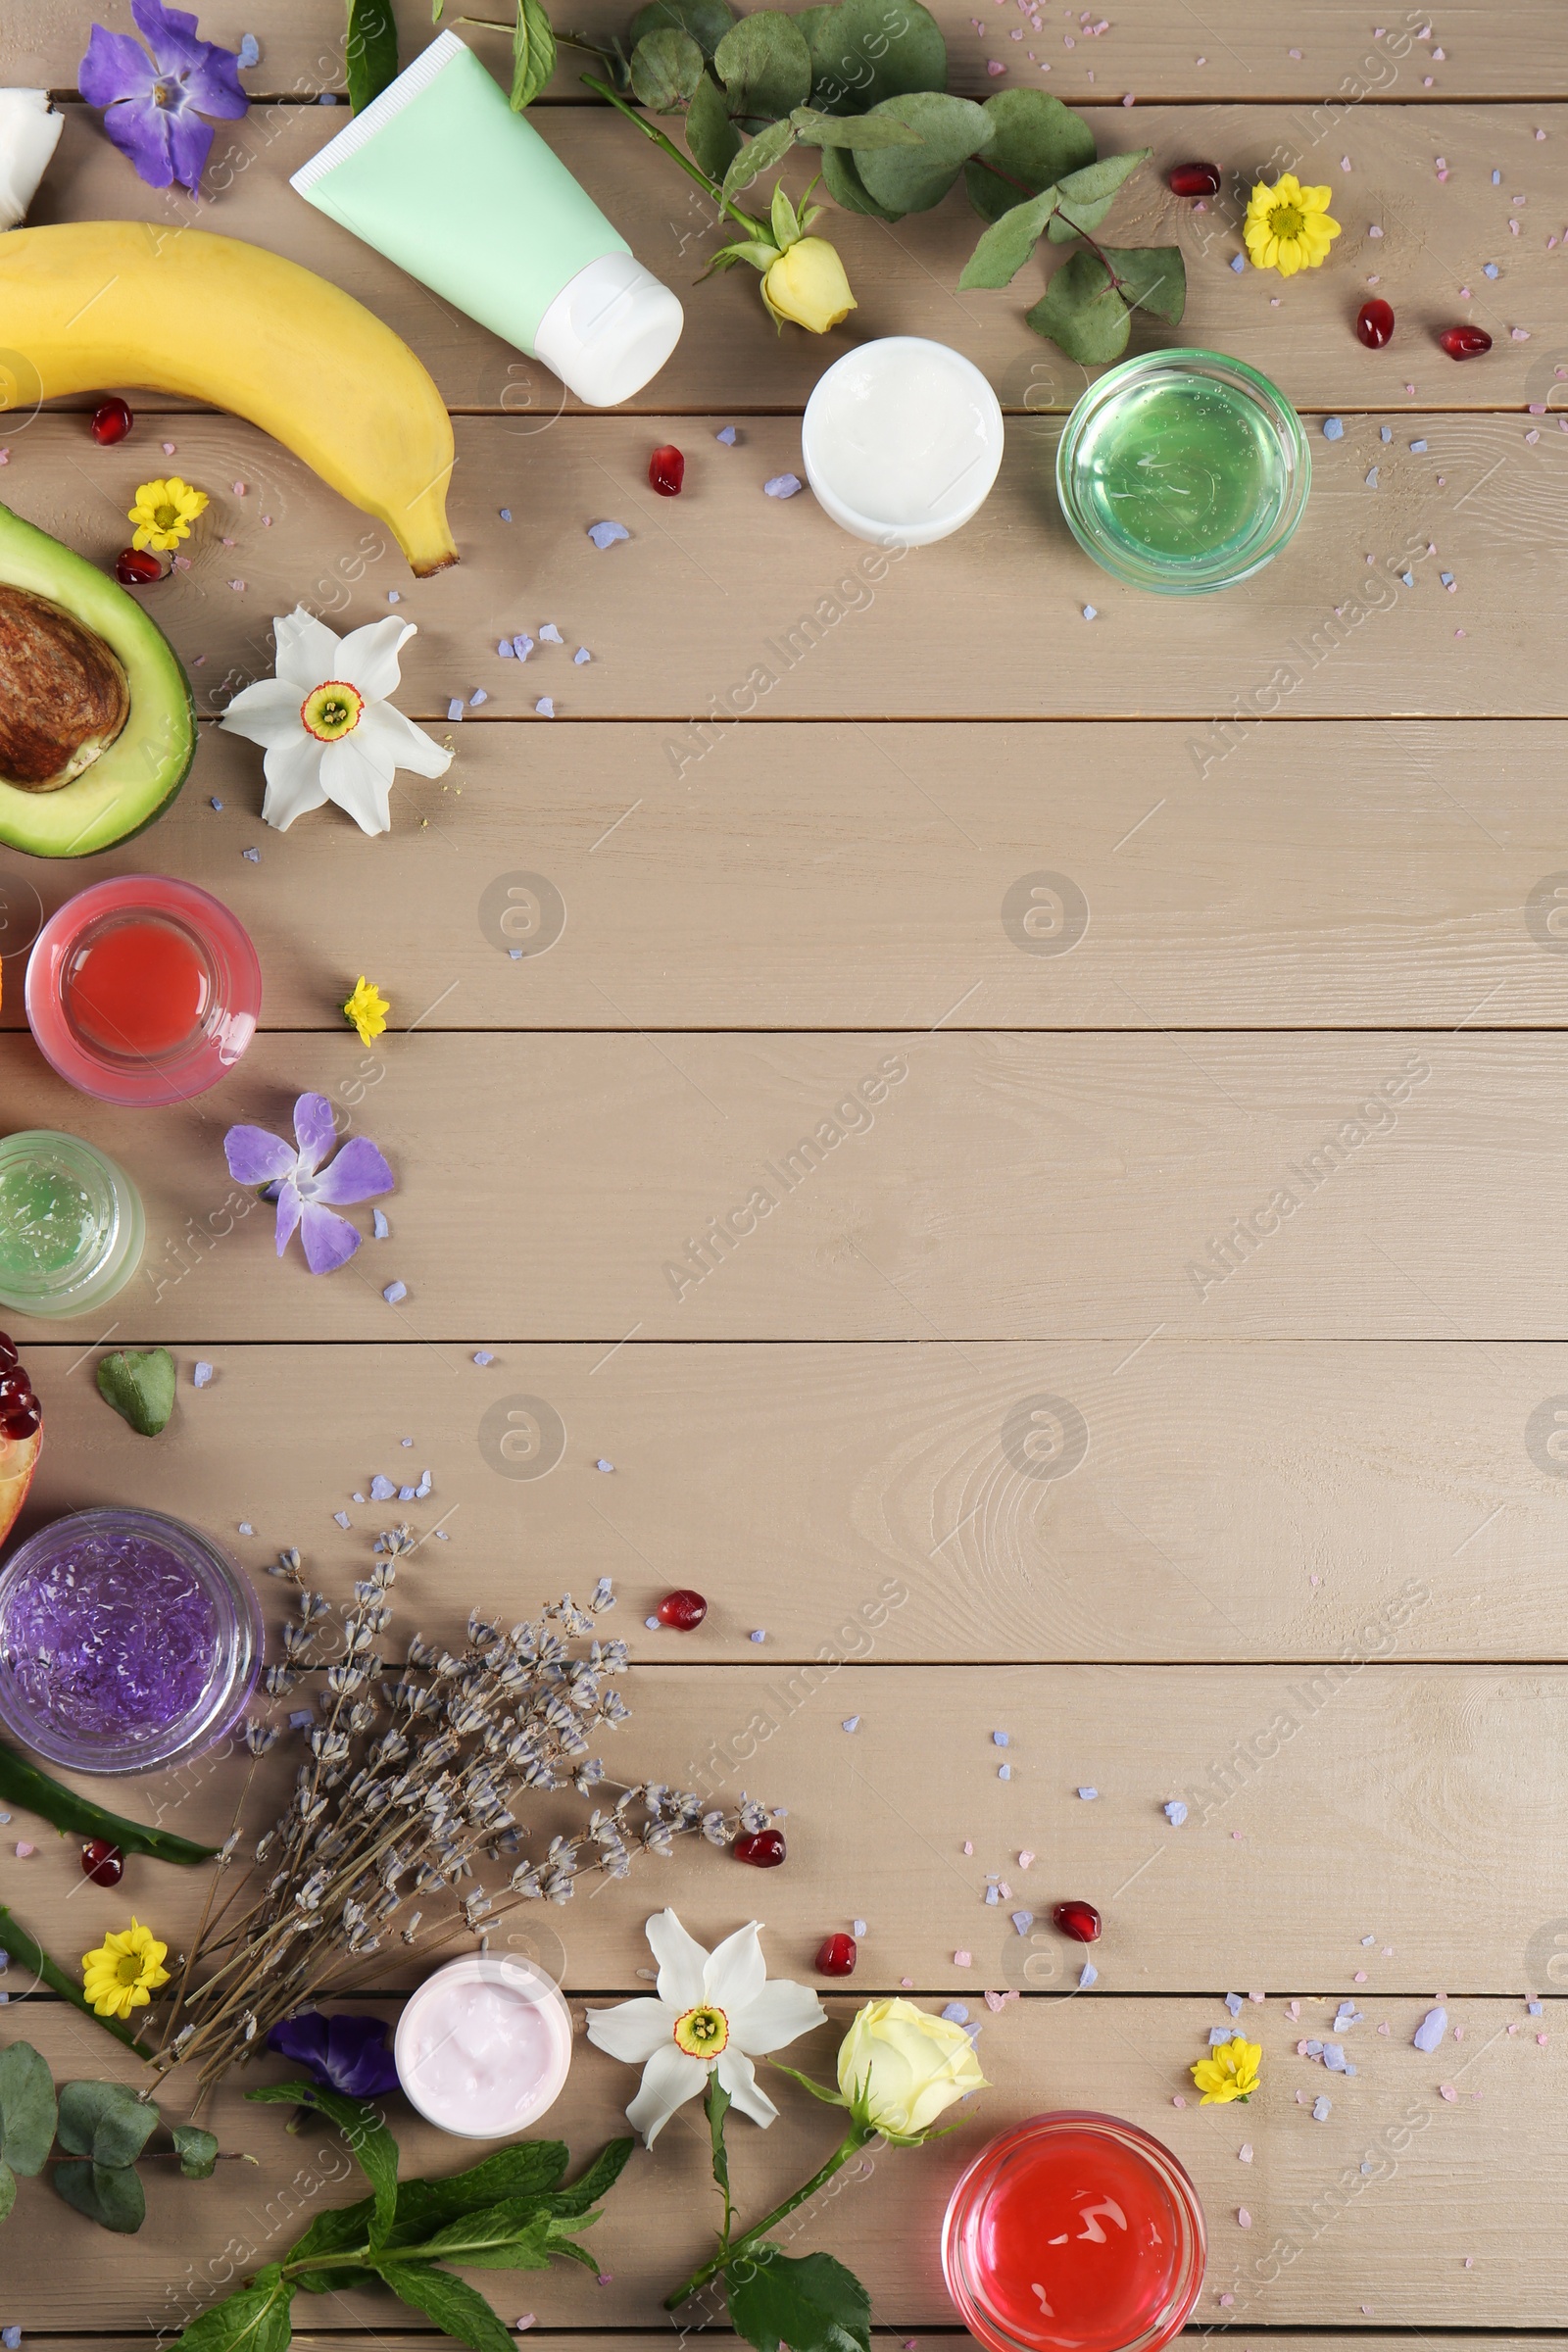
(899, 2068)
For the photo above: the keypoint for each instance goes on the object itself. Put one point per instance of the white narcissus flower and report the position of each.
(715, 2013)
(29, 133)
(325, 725)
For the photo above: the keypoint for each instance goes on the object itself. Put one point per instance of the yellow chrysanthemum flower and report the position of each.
(165, 512)
(1288, 226)
(1231, 2071)
(124, 1971)
(367, 1009)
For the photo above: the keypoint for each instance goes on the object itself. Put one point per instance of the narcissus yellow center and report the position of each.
(702, 2033)
(332, 711)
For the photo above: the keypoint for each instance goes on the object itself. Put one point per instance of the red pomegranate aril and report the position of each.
(764, 1849)
(684, 1611)
(8, 1346)
(134, 567)
(1193, 179)
(1080, 1921)
(111, 423)
(838, 1956)
(1374, 323)
(666, 470)
(102, 1862)
(1465, 342)
(22, 1423)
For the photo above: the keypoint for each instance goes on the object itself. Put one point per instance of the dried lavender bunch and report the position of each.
(414, 1785)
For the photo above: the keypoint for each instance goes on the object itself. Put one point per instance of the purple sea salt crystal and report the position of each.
(782, 485)
(605, 534)
(153, 106)
(307, 1192)
(1430, 2032)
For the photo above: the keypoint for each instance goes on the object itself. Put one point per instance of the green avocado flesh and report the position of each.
(133, 780)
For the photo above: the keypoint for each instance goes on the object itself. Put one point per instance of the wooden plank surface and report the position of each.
(1227, 48)
(1368, 2217)
(1344, 875)
(729, 603)
(1433, 236)
(952, 1187)
(1242, 1501)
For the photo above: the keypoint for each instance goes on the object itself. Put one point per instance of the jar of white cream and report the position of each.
(482, 2049)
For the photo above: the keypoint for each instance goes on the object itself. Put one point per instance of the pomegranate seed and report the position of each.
(838, 1956)
(7, 1347)
(764, 1849)
(666, 470)
(1193, 179)
(1465, 342)
(102, 1862)
(684, 1611)
(1081, 1921)
(1374, 323)
(20, 1423)
(110, 424)
(134, 567)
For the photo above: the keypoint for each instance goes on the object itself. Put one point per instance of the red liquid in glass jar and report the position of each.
(138, 988)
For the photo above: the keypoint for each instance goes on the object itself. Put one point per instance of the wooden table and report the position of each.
(1304, 1568)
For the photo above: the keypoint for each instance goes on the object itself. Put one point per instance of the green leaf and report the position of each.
(851, 130)
(1154, 278)
(1082, 313)
(1086, 196)
(844, 185)
(457, 2308)
(758, 154)
(819, 2090)
(139, 1382)
(370, 54)
(532, 2167)
(811, 2304)
(110, 2194)
(26, 2109)
(369, 2140)
(765, 65)
(706, 20)
(665, 67)
(338, 2231)
(533, 54)
(785, 227)
(718, 2106)
(503, 2237)
(596, 2183)
(196, 2149)
(1036, 141)
(8, 2188)
(105, 2121)
(866, 50)
(255, 2319)
(23, 1783)
(747, 249)
(27, 1954)
(1006, 245)
(911, 180)
(711, 135)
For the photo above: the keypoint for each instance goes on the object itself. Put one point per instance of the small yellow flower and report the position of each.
(165, 512)
(1228, 2071)
(367, 1009)
(1288, 226)
(806, 284)
(124, 1971)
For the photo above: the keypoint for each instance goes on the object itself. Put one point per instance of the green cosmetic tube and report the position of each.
(440, 175)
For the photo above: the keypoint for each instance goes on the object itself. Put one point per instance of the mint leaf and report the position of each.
(340, 2230)
(530, 2169)
(810, 2303)
(26, 2109)
(533, 54)
(1035, 141)
(370, 2141)
(596, 2183)
(256, 2320)
(503, 2237)
(370, 56)
(457, 2308)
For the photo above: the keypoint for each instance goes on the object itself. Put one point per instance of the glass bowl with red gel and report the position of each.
(142, 990)
(127, 1641)
(1074, 2233)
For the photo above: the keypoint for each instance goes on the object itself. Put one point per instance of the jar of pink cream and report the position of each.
(482, 2049)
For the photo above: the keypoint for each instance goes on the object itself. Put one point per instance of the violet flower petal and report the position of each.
(303, 2039)
(190, 144)
(255, 1156)
(141, 129)
(209, 74)
(330, 1241)
(358, 1173)
(115, 67)
(289, 1209)
(313, 1124)
(358, 2060)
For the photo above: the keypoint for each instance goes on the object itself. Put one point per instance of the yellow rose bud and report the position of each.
(901, 2068)
(807, 285)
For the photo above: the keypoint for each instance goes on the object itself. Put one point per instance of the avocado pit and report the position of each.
(64, 693)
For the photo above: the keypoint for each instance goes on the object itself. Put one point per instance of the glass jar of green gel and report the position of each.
(71, 1224)
(1184, 472)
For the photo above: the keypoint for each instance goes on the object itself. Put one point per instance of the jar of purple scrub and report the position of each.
(127, 1640)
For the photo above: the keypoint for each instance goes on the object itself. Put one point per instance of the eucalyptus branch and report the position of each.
(753, 227)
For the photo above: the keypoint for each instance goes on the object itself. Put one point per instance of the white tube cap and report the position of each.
(610, 330)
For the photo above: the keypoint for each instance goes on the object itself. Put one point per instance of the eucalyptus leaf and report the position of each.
(255, 2319)
(863, 51)
(810, 2303)
(196, 2149)
(370, 50)
(711, 135)
(533, 54)
(1085, 197)
(8, 2188)
(1006, 245)
(110, 2194)
(105, 2121)
(26, 2109)
(1036, 141)
(1082, 313)
(844, 185)
(139, 1382)
(457, 2308)
(911, 180)
(1154, 278)
(706, 20)
(758, 154)
(665, 67)
(765, 65)
(814, 129)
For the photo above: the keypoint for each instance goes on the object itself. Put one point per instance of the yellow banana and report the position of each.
(95, 303)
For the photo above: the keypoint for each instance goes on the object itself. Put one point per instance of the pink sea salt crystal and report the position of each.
(1243, 2220)
(963, 1960)
(969, 1845)
(24, 1849)
(1446, 2091)
(1024, 1859)
(1359, 1976)
(1244, 2152)
(994, 65)
(1178, 2100)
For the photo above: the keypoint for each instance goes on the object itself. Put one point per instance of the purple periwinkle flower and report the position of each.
(307, 1192)
(343, 2054)
(153, 106)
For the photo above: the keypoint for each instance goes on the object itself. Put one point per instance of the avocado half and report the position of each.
(97, 726)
